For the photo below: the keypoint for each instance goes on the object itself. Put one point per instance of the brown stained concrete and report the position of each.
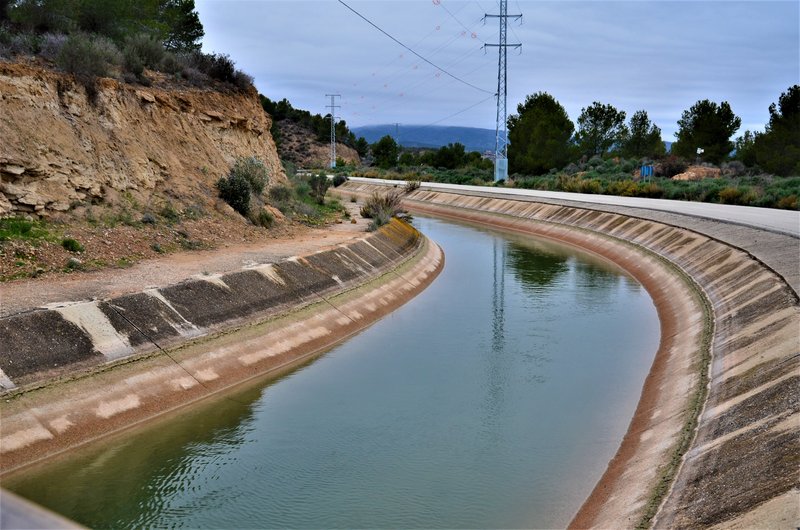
(55, 418)
(714, 439)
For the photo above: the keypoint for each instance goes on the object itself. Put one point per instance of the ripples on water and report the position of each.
(493, 399)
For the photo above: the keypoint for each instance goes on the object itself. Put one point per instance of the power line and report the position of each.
(459, 112)
(412, 51)
(468, 30)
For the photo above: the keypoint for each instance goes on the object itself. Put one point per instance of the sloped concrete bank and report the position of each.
(715, 436)
(80, 371)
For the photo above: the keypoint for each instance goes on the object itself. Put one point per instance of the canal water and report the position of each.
(494, 399)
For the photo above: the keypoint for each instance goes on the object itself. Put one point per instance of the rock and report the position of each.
(276, 213)
(13, 169)
(146, 96)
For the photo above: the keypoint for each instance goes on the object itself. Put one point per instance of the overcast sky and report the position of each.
(660, 56)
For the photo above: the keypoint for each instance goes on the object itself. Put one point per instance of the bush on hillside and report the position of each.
(319, 185)
(235, 190)
(254, 171)
(87, 59)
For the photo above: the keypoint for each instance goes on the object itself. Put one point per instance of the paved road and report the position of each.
(781, 221)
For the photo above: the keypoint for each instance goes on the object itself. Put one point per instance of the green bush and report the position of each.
(262, 218)
(253, 171)
(338, 180)
(87, 59)
(145, 48)
(235, 190)
(381, 208)
(280, 193)
(319, 185)
(169, 212)
(71, 245)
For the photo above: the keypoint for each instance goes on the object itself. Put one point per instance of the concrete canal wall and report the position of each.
(83, 370)
(716, 434)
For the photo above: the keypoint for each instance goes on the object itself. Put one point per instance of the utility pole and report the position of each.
(501, 131)
(397, 133)
(333, 108)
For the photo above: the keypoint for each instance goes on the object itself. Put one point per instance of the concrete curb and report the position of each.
(44, 343)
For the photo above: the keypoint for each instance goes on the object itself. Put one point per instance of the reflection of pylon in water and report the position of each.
(498, 296)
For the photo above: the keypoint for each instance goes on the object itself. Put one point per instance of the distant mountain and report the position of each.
(473, 138)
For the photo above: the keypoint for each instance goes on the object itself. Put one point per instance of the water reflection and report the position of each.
(535, 266)
(165, 459)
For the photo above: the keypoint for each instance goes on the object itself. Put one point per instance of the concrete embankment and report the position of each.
(715, 437)
(83, 370)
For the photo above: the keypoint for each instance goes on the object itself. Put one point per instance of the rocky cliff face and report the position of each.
(59, 150)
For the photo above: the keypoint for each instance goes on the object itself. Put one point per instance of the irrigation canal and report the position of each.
(494, 399)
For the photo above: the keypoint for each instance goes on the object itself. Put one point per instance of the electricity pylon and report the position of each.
(501, 131)
(333, 108)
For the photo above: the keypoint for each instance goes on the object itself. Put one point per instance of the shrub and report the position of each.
(51, 45)
(412, 185)
(651, 190)
(146, 48)
(86, 59)
(71, 245)
(242, 80)
(235, 190)
(169, 212)
(280, 193)
(734, 168)
(670, 166)
(253, 171)
(23, 44)
(790, 202)
(381, 208)
(262, 218)
(338, 180)
(319, 186)
(170, 64)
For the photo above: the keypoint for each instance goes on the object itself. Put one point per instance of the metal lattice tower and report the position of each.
(333, 108)
(501, 131)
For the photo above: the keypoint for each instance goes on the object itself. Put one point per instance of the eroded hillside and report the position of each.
(300, 146)
(60, 150)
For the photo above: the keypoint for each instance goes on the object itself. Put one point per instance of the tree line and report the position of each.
(174, 22)
(115, 38)
(543, 138)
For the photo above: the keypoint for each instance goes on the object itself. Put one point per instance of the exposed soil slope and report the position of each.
(61, 150)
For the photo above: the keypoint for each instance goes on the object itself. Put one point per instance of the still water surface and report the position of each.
(494, 399)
